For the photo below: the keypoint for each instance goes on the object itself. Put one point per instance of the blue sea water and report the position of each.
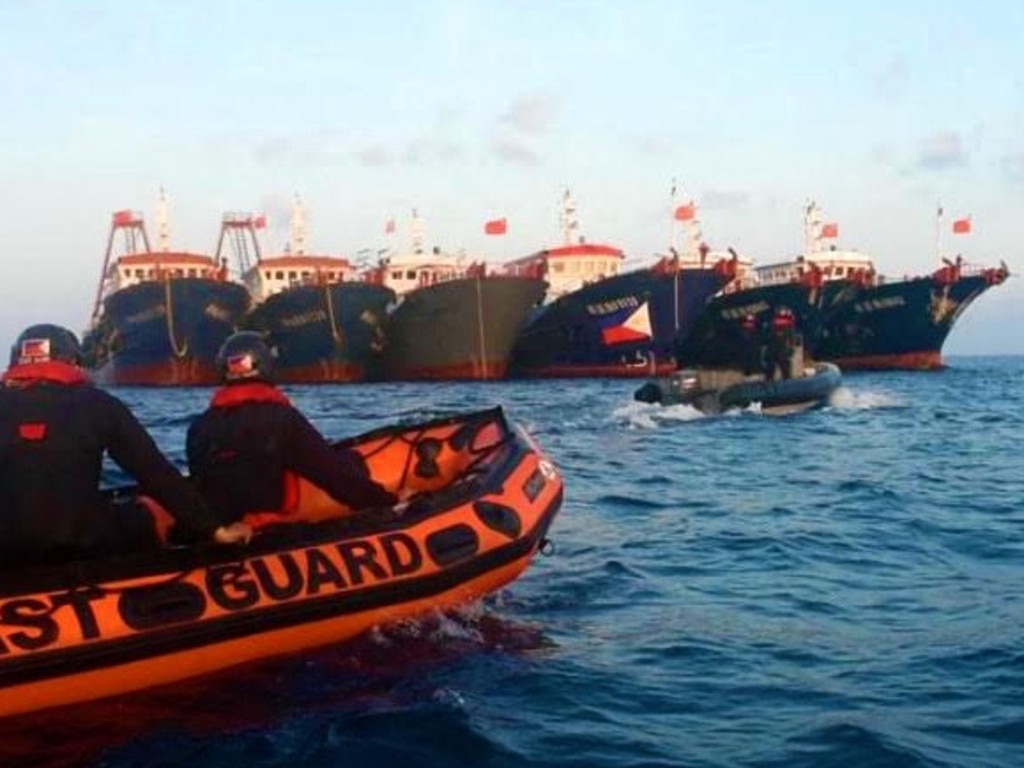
(839, 588)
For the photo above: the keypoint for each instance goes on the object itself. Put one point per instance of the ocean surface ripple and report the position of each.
(840, 588)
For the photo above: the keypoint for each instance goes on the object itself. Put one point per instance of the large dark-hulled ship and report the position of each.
(324, 324)
(903, 324)
(453, 320)
(602, 322)
(159, 316)
(847, 313)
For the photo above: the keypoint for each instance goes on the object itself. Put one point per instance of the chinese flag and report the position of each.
(961, 226)
(829, 230)
(389, 227)
(496, 227)
(123, 218)
(686, 212)
(260, 222)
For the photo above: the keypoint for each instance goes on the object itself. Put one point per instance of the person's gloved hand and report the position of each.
(236, 533)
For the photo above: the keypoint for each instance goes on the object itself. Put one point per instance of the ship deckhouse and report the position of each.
(573, 265)
(821, 258)
(139, 263)
(418, 268)
(264, 276)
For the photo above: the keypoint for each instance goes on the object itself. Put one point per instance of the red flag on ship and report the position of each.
(260, 221)
(122, 218)
(829, 230)
(389, 227)
(496, 227)
(686, 212)
(962, 226)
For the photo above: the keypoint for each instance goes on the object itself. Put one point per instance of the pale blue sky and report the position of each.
(470, 110)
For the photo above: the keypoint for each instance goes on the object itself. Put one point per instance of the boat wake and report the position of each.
(651, 415)
(848, 399)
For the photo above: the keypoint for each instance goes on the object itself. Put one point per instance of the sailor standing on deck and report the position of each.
(55, 428)
(252, 445)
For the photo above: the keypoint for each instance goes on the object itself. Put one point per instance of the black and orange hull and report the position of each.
(94, 629)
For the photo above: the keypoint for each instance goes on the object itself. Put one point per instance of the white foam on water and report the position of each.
(649, 415)
(860, 400)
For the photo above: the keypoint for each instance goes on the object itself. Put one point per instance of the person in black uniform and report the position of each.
(242, 446)
(54, 430)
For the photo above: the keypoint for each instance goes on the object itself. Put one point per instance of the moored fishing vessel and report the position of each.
(903, 324)
(812, 287)
(848, 313)
(601, 321)
(160, 316)
(454, 319)
(324, 323)
(95, 628)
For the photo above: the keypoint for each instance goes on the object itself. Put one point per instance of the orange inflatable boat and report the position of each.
(485, 496)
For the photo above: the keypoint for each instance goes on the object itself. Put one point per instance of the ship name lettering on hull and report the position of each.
(304, 318)
(217, 312)
(612, 305)
(145, 315)
(876, 305)
(735, 313)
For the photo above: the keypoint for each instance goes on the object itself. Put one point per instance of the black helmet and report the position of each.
(245, 356)
(46, 343)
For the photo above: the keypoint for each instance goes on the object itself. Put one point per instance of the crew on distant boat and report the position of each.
(251, 449)
(782, 344)
(54, 430)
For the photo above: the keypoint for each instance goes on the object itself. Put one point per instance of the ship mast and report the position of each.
(673, 240)
(694, 235)
(570, 224)
(416, 229)
(298, 244)
(812, 228)
(240, 231)
(162, 226)
(129, 223)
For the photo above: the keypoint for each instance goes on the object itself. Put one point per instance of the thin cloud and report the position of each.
(725, 199)
(514, 152)
(374, 156)
(1013, 166)
(654, 146)
(421, 151)
(890, 82)
(271, 149)
(941, 152)
(533, 114)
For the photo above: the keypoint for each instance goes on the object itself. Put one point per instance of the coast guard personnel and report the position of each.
(54, 430)
(251, 443)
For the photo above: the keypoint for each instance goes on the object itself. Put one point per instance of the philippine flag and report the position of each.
(627, 325)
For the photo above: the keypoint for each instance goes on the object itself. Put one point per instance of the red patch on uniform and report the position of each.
(35, 351)
(240, 365)
(32, 431)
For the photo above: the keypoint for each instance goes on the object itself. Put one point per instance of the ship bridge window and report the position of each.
(557, 266)
(279, 275)
(149, 273)
(292, 275)
(396, 275)
(192, 272)
(410, 274)
(266, 275)
(305, 274)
